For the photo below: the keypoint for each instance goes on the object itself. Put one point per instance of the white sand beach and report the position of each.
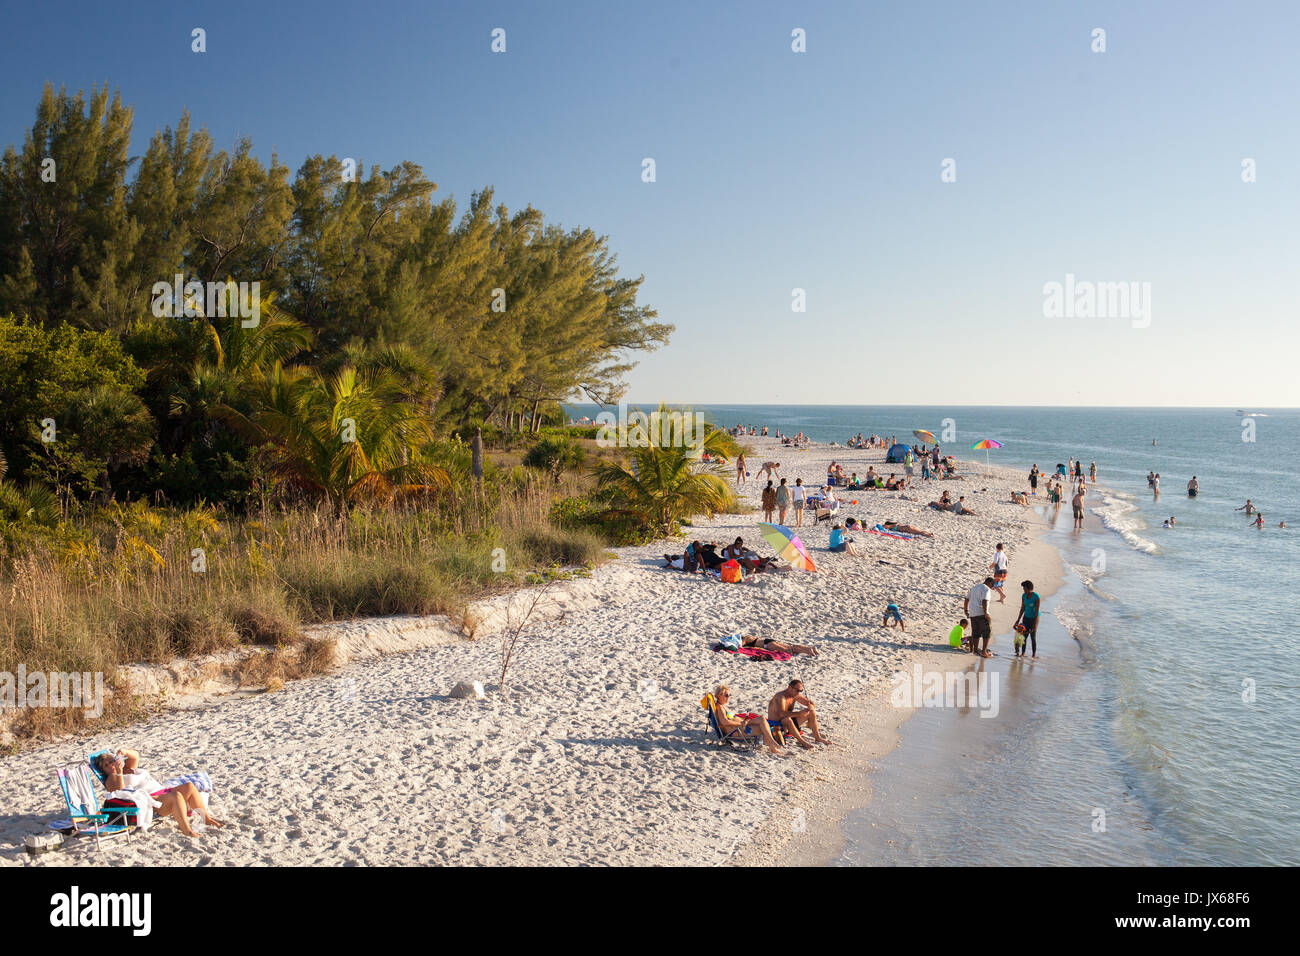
(597, 752)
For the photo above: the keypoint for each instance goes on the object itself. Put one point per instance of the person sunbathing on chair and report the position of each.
(781, 709)
(121, 771)
(767, 644)
(733, 726)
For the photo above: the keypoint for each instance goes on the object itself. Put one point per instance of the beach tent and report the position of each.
(896, 453)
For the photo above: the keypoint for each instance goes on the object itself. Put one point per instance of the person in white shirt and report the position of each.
(976, 607)
(798, 497)
(999, 568)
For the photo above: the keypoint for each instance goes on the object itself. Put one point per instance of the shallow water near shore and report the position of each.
(1167, 694)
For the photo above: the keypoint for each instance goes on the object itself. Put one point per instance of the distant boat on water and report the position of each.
(1251, 414)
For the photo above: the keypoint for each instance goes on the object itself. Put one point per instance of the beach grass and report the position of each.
(133, 584)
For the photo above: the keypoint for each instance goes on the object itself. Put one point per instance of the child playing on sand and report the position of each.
(999, 569)
(957, 636)
(840, 543)
(893, 611)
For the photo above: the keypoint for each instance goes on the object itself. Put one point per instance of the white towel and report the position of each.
(146, 803)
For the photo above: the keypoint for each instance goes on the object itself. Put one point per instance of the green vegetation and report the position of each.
(187, 467)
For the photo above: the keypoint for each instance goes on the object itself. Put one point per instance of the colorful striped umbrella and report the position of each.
(986, 444)
(787, 544)
(925, 436)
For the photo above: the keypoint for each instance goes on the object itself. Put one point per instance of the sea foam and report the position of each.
(1121, 515)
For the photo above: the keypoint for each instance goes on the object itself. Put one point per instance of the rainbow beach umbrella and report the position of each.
(925, 436)
(986, 444)
(787, 544)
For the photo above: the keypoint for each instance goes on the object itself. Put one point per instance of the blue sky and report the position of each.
(820, 170)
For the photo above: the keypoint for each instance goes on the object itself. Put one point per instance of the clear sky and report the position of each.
(820, 170)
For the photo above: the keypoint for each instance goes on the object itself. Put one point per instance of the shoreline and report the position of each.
(877, 729)
(597, 753)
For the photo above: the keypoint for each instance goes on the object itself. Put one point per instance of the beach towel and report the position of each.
(755, 653)
(886, 533)
(144, 803)
(202, 782)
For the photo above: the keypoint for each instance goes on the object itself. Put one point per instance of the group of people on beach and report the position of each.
(789, 713)
(978, 602)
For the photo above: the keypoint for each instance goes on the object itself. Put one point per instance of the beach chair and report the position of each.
(84, 813)
(709, 705)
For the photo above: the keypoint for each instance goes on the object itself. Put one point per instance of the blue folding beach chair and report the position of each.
(84, 813)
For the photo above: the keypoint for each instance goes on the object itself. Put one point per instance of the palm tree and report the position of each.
(664, 480)
(33, 502)
(348, 436)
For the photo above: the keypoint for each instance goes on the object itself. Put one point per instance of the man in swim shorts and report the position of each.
(792, 719)
(1077, 503)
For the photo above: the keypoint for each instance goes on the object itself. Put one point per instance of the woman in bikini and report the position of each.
(121, 771)
(767, 644)
(733, 726)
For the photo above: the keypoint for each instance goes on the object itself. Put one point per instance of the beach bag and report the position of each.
(732, 573)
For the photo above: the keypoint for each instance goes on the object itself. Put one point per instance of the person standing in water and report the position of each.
(1028, 617)
(1193, 487)
(1092, 473)
(1033, 479)
(1077, 503)
(1247, 507)
(1259, 520)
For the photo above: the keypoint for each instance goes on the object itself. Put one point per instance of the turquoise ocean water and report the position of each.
(1171, 691)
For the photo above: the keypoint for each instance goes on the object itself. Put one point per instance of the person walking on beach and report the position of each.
(908, 461)
(799, 497)
(976, 607)
(1028, 618)
(999, 567)
(740, 471)
(1077, 503)
(783, 500)
(769, 501)
(782, 709)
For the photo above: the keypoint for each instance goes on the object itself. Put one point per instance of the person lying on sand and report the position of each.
(733, 726)
(943, 504)
(767, 644)
(121, 771)
(747, 559)
(782, 709)
(906, 529)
